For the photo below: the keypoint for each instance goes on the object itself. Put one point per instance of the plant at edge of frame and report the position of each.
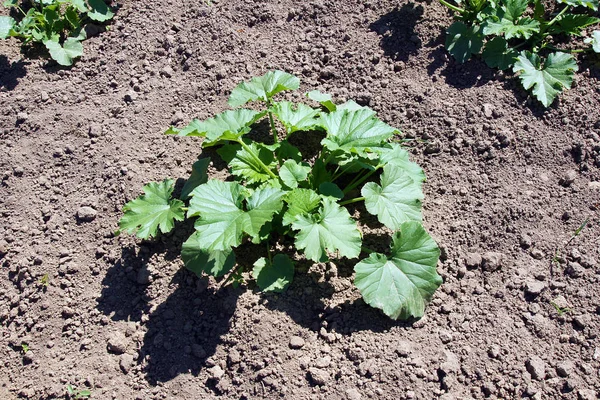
(278, 192)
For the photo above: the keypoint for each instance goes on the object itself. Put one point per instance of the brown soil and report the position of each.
(508, 185)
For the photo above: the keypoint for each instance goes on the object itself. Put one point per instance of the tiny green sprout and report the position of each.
(45, 280)
(560, 310)
(78, 394)
(24, 347)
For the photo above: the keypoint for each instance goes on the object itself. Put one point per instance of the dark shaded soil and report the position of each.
(508, 185)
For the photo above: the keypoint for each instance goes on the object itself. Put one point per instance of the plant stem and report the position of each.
(272, 121)
(560, 14)
(573, 51)
(453, 7)
(353, 185)
(257, 159)
(354, 200)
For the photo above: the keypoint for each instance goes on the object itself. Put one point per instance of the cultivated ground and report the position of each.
(508, 186)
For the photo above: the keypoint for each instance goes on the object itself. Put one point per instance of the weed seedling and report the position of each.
(78, 394)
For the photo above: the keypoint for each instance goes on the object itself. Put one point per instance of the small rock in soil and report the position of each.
(234, 357)
(404, 348)
(323, 362)
(586, 394)
(473, 260)
(581, 321)
(117, 343)
(126, 363)
(86, 214)
(296, 342)
(534, 288)
(492, 261)
(22, 117)
(536, 367)
(318, 376)
(565, 368)
(216, 372)
(568, 178)
(353, 394)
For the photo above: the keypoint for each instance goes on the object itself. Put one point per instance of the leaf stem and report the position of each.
(257, 159)
(453, 7)
(272, 121)
(560, 14)
(354, 200)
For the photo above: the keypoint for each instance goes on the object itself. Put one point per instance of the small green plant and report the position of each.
(281, 191)
(57, 24)
(45, 280)
(24, 348)
(525, 37)
(78, 394)
(560, 310)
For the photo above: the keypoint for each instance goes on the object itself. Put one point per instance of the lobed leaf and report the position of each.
(243, 164)
(322, 98)
(548, 80)
(497, 54)
(99, 11)
(293, 172)
(522, 28)
(216, 263)
(394, 154)
(331, 229)
(273, 276)
(262, 205)
(401, 284)
(594, 41)
(591, 4)
(573, 24)
(7, 24)
(153, 211)
(263, 88)
(462, 41)
(300, 202)
(64, 55)
(197, 178)
(301, 118)
(396, 201)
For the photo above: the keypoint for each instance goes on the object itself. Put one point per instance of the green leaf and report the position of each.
(351, 105)
(354, 131)
(396, 201)
(332, 229)
(319, 173)
(243, 163)
(194, 128)
(301, 118)
(548, 80)
(573, 24)
(594, 41)
(286, 151)
(331, 189)
(263, 88)
(462, 41)
(99, 11)
(79, 5)
(262, 205)
(153, 210)
(221, 219)
(198, 177)
(6, 25)
(292, 172)
(515, 8)
(10, 3)
(276, 276)
(395, 154)
(522, 28)
(404, 282)
(591, 4)
(216, 263)
(72, 16)
(229, 125)
(300, 202)
(322, 98)
(497, 54)
(64, 54)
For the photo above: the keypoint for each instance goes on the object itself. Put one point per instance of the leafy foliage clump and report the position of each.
(278, 191)
(57, 24)
(524, 36)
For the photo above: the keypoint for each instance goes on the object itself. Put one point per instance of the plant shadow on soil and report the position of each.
(10, 73)
(397, 31)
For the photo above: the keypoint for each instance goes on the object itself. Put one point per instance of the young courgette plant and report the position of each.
(527, 37)
(57, 24)
(278, 191)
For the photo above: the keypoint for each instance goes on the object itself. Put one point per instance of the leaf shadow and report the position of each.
(11, 72)
(397, 31)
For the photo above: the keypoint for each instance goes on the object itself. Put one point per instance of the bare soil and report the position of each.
(509, 184)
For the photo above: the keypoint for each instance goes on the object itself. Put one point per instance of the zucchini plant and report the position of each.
(277, 191)
(534, 39)
(57, 24)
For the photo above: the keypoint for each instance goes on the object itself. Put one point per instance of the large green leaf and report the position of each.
(263, 87)
(79, 5)
(292, 172)
(322, 98)
(196, 259)
(275, 276)
(262, 205)
(462, 41)
(301, 118)
(194, 128)
(573, 24)
(591, 4)
(300, 202)
(401, 284)
(64, 55)
(197, 178)
(99, 11)
(397, 200)
(548, 80)
(522, 28)
(594, 41)
(354, 131)
(331, 229)
(244, 164)
(153, 210)
(6, 25)
(395, 154)
(497, 54)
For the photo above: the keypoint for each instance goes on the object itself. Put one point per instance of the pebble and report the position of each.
(323, 362)
(581, 321)
(473, 260)
(234, 357)
(568, 178)
(117, 343)
(22, 117)
(95, 130)
(587, 394)
(404, 348)
(44, 96)
(353, 394)
(167, 72)
(318, 376)
(126, 363)
(216, 372)
(534, 288)
(536, 367)
(86, 214)
(296, 342)
(452, 364)
(488, 110)
(565, 368)
(492, 261)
